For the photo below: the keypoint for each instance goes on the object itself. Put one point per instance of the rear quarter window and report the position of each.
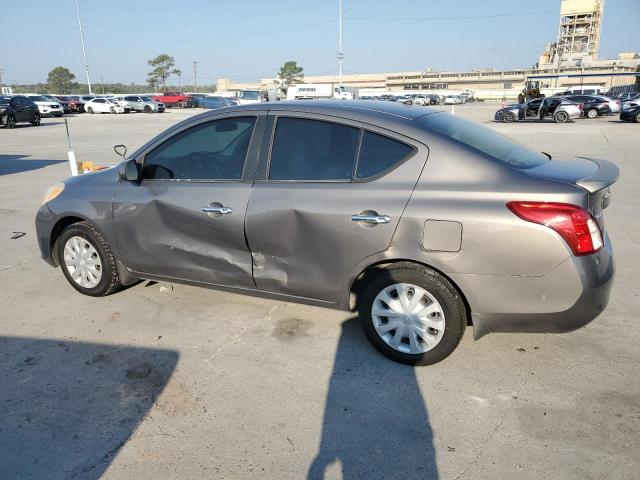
(379, 154)
(481, 139)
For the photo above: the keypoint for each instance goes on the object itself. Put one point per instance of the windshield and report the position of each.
(249, 95)
(5, 100)
(482, 139)
(38, 98)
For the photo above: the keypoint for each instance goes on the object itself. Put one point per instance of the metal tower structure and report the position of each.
(579, 32)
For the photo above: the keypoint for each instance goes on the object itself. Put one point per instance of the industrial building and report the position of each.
(569, 61)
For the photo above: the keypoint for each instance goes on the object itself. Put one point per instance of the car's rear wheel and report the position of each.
(412, 314)
(36, 120)
(90, 110)
(11, 121)
(561, 117)
(87, 260)
(637, 118)
(508, 117)
(593, 113)
(147, 109)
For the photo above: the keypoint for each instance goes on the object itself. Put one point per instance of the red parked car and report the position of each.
(174, 99)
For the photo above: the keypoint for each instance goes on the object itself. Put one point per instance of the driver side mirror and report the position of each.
(129, 171)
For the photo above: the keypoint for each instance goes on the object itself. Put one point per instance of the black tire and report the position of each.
(636, 119)
(90, 110)
(180, 105)
(147, 109)
(36, 120)
(112, 109)
(434, 283)
(110, 280)
(592, 113)
(561, 117)
(11, 121)
(508, 117)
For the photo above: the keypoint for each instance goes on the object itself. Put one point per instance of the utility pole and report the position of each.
(102, 82)
(84, 52)
(1, 70)
(195, 77)
(340, 54)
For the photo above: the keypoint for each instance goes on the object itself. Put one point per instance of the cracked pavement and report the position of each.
(234, 387)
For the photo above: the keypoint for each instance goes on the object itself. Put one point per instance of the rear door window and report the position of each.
(305, 149)
(379, 154)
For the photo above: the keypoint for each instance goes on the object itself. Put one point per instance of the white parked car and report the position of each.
(141, 103)
(47, 107)
(103, 105)
(451, 100)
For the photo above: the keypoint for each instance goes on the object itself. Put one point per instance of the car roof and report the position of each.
(369, 111)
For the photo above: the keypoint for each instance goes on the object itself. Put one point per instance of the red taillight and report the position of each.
(573, 223)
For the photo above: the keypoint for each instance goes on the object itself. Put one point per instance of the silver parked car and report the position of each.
(558, 108)
(419, 220)
(141, 103)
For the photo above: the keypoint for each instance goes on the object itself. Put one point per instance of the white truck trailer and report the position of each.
(309, 91)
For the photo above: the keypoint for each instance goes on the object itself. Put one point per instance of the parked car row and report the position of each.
(561, 108)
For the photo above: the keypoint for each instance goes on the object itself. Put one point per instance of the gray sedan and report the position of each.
(419, 220)
(559, 109)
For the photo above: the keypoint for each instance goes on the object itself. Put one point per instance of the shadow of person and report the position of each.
(66, 408)
(375, 420)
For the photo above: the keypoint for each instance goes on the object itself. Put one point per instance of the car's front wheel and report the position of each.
(508, 117)
(412, 314)
(36, 120)
(593, 113)
(637, 118)
(90, 110)
(87, 260)
(11, 121)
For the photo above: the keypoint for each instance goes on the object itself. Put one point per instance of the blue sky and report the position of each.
(248, 39)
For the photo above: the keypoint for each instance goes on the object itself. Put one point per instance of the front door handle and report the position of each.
(216, 210)
(372, 219)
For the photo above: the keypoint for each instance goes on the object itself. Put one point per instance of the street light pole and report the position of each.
(340, 54)
(84, 52)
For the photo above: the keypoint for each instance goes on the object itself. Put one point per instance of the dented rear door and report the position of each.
(191, 228)
(306, 236)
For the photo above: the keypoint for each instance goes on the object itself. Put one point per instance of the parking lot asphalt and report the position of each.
(165, 381)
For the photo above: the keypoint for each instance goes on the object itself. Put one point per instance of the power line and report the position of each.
(460, 17)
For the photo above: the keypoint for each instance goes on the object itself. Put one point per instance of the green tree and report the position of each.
(290, 73)
(162, 69)
(60, 80)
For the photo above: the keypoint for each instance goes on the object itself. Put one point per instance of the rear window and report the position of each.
(379, 153)
(482, 139)
(5, 100)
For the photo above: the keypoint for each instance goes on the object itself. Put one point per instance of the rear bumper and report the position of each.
(565, 299)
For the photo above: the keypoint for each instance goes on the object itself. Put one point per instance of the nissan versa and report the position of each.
(418, 219)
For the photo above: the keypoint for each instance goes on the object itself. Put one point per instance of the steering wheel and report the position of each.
(203, 166)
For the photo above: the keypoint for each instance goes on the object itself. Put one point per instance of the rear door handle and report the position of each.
(216, 210)
(373, 219)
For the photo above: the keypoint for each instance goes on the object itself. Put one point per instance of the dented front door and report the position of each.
(185, 218)
(162, 229)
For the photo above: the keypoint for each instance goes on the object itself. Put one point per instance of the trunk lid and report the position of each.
(595, 176)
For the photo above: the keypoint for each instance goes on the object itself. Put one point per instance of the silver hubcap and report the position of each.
(82, 262)
(408, 318)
